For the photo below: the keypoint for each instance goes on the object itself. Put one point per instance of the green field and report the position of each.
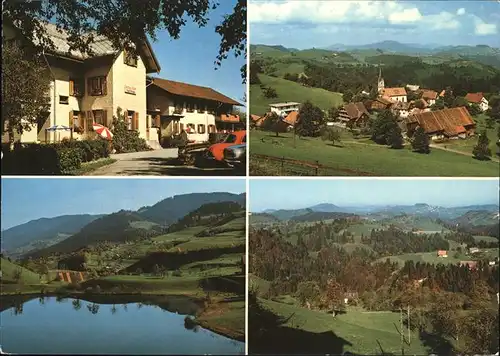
(9, 270)
(366, 332)
(289, 91)
(428, 257)
(371, 159)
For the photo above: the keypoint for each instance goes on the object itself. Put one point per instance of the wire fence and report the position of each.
(264, 165)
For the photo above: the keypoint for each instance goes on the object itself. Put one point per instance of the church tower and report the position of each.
(380, 83)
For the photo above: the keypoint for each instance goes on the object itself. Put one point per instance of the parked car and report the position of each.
(215, 153)
(236, 156)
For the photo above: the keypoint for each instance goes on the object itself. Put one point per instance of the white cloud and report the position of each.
(442, 21)
(461, 11)
(405, 16)
(482, 29)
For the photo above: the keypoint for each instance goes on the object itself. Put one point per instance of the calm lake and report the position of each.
(75, 326)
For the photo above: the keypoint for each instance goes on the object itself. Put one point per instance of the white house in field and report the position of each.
(87, 89)
(176, 106)
(283, 109)
(479, 99)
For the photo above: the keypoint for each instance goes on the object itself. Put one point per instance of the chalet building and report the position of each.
(199, 111)
(379, 103)
(283, 109)
(479, 99)
(353, 115)
(430, 96)
(257, 120)
(442, 253)
(401, 109)
(89, 89)
(447, 123)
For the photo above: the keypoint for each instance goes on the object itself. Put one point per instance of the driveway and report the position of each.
(162, 162)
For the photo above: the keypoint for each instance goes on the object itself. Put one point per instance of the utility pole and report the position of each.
(401, 330)
(409, 334)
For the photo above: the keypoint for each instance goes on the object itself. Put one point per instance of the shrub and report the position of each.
(53, 158)
(125, 140)
(177, 273)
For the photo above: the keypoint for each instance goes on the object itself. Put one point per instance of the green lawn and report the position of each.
(428, 257)
(367, 332)
(289, 91)
(180, 235)
(371, 159)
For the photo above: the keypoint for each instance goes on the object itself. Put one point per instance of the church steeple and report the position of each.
(380, 83)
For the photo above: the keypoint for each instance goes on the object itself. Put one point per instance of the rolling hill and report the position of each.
(289, 91)
(44, 229)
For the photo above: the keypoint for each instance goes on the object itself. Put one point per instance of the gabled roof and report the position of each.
(394, 92)
(429, 94)
(101, 46)
(193, 91)
(355, 110)
(474, 97)
(292, 118)
(450, 122)
(254, 117)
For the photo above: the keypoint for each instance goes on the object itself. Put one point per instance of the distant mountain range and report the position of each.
(382, 212)
(83, 230)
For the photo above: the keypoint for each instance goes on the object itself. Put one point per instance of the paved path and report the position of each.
(457, 151)
(160, 162)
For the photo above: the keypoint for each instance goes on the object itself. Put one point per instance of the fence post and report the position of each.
(317, 167)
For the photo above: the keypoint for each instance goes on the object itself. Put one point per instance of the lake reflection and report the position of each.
(75, 326)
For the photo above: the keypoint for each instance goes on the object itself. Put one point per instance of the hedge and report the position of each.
(52, 159)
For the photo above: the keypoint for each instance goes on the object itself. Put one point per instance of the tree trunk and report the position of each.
(11, 138)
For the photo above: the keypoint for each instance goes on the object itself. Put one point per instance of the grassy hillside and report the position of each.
(10, 269)
(356, 158)
(356, 331)
(289, 91)
(262, 218)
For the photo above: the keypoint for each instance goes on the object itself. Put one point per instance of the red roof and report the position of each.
(394, 92)
(474, 97)
(194, 91)
(292, 117)
(429, 94)
(442, 253)
(355, 110)
(451, 122)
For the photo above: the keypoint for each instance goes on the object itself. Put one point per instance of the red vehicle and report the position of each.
(216, 151)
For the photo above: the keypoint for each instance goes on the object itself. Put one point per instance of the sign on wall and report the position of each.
(129, 90)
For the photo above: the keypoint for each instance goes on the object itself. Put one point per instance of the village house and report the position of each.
(473, 250)
(291, 119)
(479, 99)
(442, 253)
(430, 96)
(353, 115)
(395, 94)
(412, 87)
(257, 120)
(442, 124)
(401, 109)
(199, 111)
(379, 103)
(89, 89)
(283, 109)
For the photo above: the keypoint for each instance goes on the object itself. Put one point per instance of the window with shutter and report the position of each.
(89, 121)
(70, 121)
(105, 116)
(71, 87)
(81, 121)
(136, 119)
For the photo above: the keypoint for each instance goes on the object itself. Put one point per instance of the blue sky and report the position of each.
(306, 24)
(27, 199)
(190, 58)
(302, 193)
